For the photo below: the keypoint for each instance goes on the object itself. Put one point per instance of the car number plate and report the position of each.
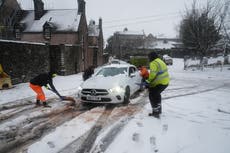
(93, 98)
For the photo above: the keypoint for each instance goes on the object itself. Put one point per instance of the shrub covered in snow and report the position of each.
(218, 61)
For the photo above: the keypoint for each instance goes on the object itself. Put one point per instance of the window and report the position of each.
(112, 71)
(132, 70)
(47, 33)
(165, 41)
(17, 34)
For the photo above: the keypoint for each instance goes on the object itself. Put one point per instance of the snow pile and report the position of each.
(217, 60)
(206, 61)
(191, 62)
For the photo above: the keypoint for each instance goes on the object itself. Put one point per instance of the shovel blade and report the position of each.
(71, 99)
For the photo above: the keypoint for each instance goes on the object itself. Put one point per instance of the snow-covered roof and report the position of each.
(127, 32)
(93, 29)
(160, 44)
(64, 20)
(118, 65)
(50, 4)
(21, 42)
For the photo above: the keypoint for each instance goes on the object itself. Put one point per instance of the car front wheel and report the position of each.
(127, 95)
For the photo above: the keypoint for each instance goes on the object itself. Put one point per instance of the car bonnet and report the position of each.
(100, 82)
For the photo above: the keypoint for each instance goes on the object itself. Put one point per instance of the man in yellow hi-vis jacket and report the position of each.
(158, 81)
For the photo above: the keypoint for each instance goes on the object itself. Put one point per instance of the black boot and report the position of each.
(156, 112)
(38, 102)
(160, 109)
(45, 104)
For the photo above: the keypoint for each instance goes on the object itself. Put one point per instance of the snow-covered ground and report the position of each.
(195, 118)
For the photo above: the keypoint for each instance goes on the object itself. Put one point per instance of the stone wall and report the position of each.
(22, 61)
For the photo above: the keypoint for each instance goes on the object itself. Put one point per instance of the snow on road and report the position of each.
(196, 117)
(66, 133)
(190, 123)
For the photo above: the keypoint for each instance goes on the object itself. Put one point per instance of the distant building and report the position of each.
(150, 41)
(129, 43)
(125, 42)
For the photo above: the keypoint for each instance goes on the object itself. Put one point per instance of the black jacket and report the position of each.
(88, 73)
(42, 80)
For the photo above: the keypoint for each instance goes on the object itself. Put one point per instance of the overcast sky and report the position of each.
(159, 17)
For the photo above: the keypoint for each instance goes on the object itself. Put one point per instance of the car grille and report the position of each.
(95, 92)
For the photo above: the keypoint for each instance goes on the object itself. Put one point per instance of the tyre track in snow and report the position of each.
(17, 108)
(197, 91)
(93, 133)
(179, 88)
(105, 141)
(40, 125)
(10, 113)
(23, 128)
(85, 143)
(221, 119)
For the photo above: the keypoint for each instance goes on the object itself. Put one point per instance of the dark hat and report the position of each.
(152, 56)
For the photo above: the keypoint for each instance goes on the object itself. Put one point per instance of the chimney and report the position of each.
(81, 7)
(100, 23)
(38, 9)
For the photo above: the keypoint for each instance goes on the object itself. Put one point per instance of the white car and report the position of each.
(113, 83)
(168, 60)
(117, 61)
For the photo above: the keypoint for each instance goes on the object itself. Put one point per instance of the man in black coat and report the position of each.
(88, 73)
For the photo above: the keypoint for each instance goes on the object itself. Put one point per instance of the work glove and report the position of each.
(47, 87)
(145, 84)
(62, 97)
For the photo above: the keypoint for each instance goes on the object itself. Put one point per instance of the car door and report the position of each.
(135, 78)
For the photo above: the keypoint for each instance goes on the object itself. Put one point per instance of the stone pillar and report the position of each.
(62, 60)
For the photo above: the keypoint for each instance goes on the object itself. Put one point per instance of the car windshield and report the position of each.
(112, 71)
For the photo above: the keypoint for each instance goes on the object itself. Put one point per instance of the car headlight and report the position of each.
(79, 89)
(117, 89)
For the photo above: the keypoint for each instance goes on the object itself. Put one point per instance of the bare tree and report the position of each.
(200, 28)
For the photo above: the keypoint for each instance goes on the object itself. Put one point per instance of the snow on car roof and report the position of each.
(118, 65)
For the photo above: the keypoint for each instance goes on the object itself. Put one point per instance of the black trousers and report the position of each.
(155, 96)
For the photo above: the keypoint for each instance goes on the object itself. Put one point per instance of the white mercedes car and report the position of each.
(113, 83)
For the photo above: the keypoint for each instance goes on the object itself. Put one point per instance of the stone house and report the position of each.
(65, 27)
(8, 17)
(71, 45)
